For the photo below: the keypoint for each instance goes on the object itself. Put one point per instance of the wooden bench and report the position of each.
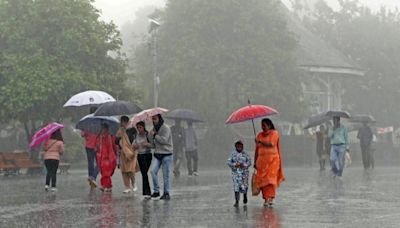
(21, 160)
(64, 167)
(6, 167)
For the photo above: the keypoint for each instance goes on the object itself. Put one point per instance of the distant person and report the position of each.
(178, 140)
(162, 137)
(106, 157)
(366, 136)
(191, 146)
(90, 146)
(268, 162)
(128, 155)
(322, 146)
(338, 136)
(239, 162)
(53, 149)
(143, 145)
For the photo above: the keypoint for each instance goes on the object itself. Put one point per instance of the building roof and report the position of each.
(315, 54)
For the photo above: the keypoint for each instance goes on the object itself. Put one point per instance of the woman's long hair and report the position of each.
(269, 123)
(57, 136)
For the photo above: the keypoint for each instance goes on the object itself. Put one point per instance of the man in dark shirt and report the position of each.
(178, 141)
(365, 135)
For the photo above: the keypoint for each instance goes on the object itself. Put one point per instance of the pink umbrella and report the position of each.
(44, 134)
(146, 115)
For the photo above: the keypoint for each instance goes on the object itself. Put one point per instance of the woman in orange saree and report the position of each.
(268, 162)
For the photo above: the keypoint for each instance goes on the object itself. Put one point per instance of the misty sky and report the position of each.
(121, 11)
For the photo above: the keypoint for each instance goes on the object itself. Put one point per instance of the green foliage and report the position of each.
(50, 50)
(371, 40)
(214, 55)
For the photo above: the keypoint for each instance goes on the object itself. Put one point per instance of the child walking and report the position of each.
(239, 162)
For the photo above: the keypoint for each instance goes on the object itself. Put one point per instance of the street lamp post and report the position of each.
(154, 25)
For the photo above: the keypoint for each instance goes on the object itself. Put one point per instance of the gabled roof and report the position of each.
(316, 55)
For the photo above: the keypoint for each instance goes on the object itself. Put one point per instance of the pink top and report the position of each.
(90, 139)
(53, 149)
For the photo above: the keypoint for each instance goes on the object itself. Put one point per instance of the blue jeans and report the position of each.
(337, 159)
(166, 162)
(93, 170)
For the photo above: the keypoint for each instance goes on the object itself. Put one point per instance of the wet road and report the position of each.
(307, 199)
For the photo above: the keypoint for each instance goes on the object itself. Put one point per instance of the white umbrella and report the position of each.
(90, 97)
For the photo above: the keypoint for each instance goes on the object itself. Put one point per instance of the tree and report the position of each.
(50, 50)
(214, 55)
(370, 40)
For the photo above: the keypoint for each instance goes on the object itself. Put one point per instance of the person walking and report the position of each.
(143, 145)
(239, 162)
(178, 133)
(90, 147)
(53, 149)
(162, 137)
(192, 156)
(338, 136)
(322, 146)
(128, 155)
(106, 157)
(268, 162)
(365, 136)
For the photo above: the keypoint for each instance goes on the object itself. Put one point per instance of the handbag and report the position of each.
(254, 189)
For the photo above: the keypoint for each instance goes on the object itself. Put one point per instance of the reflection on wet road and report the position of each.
(307, 199)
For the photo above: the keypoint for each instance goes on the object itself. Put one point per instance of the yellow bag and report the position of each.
(254, 189)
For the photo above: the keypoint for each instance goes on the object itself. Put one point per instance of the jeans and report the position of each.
(52, 167)
(166, 163)
(93, 170)
(144, 164)
(192, 156)
(337, 159)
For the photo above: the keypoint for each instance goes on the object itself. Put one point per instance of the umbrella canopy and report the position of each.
(93, 123)
(250, 112)
(316, 120)
(338, 113)
(44, 134)
(146, 115)
(184, 114)
(363, 119)
(117, 108)
(90, 97)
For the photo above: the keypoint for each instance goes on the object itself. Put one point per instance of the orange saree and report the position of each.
(268, 163)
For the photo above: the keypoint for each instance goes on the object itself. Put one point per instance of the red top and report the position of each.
(90, 139)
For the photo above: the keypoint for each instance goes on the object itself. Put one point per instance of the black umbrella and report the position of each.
(316, 120)
(363, 119)
(117, 108)
(337, 113)
(184, 114)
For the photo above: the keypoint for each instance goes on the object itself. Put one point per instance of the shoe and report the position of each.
(46, 188)
(165, 196)
(92, 183)
(244, 199)
(195, 174)
(271, 203)
(126, 191)
(102, 189)
(147, 197)
(108, 190)
(236, 204)
(134, 188)
(155, 195)
(53, 189)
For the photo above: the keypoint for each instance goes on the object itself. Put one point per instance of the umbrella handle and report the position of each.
(254, 128)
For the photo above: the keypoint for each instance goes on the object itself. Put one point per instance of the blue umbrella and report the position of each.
(93, 123)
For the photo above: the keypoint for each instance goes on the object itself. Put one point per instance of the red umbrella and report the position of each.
(250, 112)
